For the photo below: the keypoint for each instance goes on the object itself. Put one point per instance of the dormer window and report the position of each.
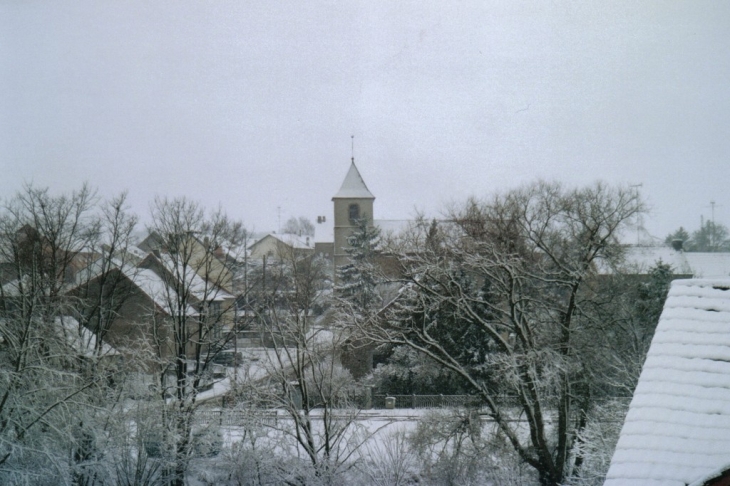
(354, 212)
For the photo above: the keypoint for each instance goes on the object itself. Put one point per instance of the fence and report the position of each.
(428, 401)
(444, 401)
(233, 417)
(230, 417)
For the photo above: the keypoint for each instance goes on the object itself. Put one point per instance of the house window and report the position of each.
(214, 319)
(354, 212)
(214, 309)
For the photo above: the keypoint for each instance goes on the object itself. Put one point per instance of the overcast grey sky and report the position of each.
(251, 105)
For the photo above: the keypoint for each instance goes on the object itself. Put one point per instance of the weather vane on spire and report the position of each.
(353, 148)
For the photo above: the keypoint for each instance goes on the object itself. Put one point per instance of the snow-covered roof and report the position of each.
(713, 476)
(149, 283)
(80, 338)
(294, 241)
(393, 227)
(11, 289)
(640, 259)
(324, 232)
(196, 284)
(353, 186)
(677, 429)
(709, 264)
(136, 252)
(155, 288)
(95, 268)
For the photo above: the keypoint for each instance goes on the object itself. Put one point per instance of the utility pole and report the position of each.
(712, 233)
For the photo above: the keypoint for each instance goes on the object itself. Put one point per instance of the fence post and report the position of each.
(413, 401)
(368, 397)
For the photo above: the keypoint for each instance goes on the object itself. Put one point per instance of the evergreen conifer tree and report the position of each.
(356, 280)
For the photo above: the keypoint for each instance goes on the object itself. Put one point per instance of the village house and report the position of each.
(207, 258)
(139, 320)
(132, 303)
(276, 246)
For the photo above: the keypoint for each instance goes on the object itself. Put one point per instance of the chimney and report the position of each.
(677, 244)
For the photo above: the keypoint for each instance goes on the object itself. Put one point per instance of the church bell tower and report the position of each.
(352, 202)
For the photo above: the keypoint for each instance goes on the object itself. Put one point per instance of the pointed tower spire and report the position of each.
(353, 186)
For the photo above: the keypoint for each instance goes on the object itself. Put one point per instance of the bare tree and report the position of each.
(454, 447)
(201, 312)
(389, 461)
(107, 252)
(496, 297)
(303, 373)
(300, 226)
(48, 359)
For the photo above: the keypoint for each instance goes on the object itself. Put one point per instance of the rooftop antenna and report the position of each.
(712, 206)
(352, 137)
(712, 234)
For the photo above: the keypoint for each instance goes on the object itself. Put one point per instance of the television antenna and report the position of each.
(712, 207)
(712, 233)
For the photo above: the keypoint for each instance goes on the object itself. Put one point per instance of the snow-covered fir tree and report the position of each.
(357, 279)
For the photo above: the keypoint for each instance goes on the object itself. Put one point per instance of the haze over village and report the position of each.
(365, 243)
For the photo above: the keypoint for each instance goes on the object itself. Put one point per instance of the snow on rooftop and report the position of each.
(677, 429)
(146, 280)
(643, 258)
(155, 288)
(393, 227)
(708, 265)
(12, 288)
(324, 232)
(640, 259)
(353, 186)
(80, 338)
(198, 286)
(136, 252)
(295, 241)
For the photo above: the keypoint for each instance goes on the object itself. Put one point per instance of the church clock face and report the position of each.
(354, 212)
